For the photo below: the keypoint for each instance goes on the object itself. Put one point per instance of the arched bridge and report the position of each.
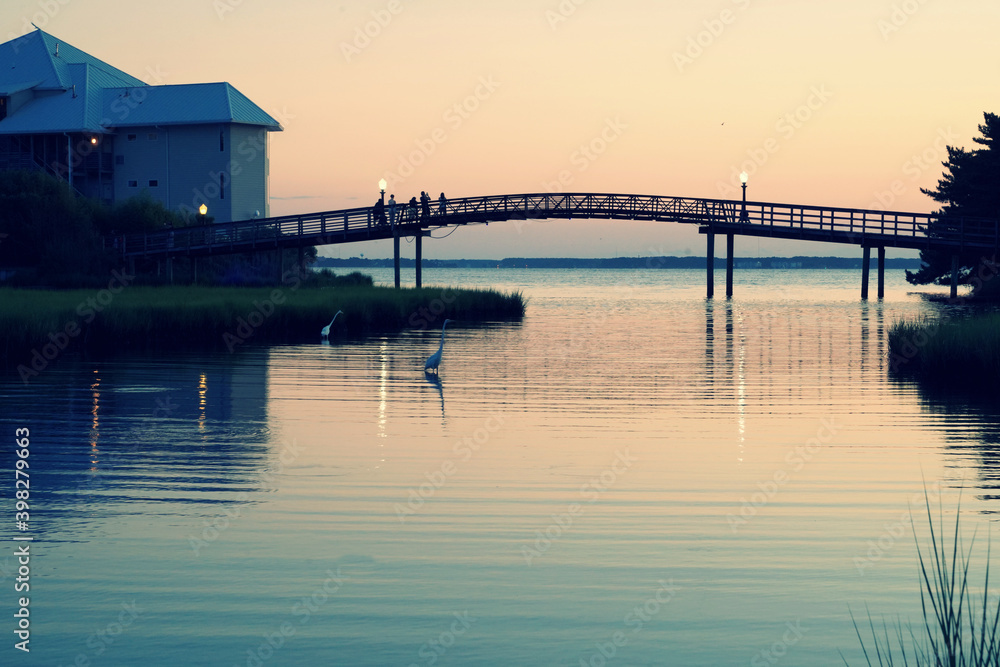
(862, 227)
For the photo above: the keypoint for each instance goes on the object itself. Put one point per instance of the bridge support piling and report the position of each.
(954, 276)
(710, 262)
(865, 262)
(881, 272)
(419, 251)
(729, 265)
(395, 256)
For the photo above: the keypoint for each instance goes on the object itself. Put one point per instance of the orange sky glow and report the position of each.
(845, 104)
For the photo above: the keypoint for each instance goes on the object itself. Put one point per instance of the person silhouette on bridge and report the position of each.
(441, 204)
(392, 210)
(413, 208)
(425, 204)
(378, 212)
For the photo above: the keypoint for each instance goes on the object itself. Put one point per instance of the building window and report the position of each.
(153, 183)
(133, 184)
(3, 108)
(131, 137)
(222, 186)
(152, 136)
(119, 160)
(222, 140)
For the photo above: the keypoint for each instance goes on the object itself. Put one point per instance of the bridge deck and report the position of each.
(861, 227)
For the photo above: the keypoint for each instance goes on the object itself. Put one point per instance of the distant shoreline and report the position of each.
(741, 263)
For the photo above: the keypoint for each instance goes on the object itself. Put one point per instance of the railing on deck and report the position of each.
(843, 225)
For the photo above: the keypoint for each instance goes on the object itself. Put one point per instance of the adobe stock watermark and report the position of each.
(364, 35)
(583, 333)
(214, 527)
(87, 311)
(773, 654)
(427, 316)
(300, 612)
(454, 117)
(592, 491)
(703, 40)
(986, 270)
(111, 458)
(893, 531)
(244, 155)
(122, 107)
(635, 620)
(47, 10)
(562, 13)
(434, 648)
(586, 155)
(247, 326)
(463, 451)
(796, 459)
(785, 128)
(224, 7)
(899, 15)
(914, 167)
(104, 638)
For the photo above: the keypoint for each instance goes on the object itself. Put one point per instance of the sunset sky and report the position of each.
(847, 104)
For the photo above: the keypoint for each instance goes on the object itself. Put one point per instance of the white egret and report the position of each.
(325, 331)
(434, 360)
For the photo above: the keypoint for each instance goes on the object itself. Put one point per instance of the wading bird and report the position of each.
(434, 360)
(325, 331)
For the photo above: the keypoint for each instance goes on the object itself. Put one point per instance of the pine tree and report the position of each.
(969, 189)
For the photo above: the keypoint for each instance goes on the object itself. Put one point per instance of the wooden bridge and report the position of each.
(862, 227)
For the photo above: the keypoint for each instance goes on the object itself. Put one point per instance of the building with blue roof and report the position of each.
(111, 135)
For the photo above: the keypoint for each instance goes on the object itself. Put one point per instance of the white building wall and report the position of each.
(141, 164)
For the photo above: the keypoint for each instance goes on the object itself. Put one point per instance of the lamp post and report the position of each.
(202, 212)
(744, 177)
(395, 234)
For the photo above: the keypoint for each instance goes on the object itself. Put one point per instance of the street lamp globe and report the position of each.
(744, 177)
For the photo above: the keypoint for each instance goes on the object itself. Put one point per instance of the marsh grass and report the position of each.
(202, 316)
(966, 350)
(960, 627)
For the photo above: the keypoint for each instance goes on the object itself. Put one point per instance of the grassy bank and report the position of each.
(177, 317)
(966, 350)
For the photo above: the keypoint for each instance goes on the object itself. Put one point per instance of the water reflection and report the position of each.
(383, 387)
(145, 425)
(977, 443)
(435, 381)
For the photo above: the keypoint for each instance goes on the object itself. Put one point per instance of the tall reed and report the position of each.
(967, 350)
(203, 316)
(960, 628)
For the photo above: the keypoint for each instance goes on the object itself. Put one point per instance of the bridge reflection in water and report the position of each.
(862, 227)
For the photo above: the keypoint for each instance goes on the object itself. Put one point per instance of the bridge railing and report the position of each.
(355, 224)
(859, 224)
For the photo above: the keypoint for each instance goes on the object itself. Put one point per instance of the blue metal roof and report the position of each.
(186, 104)
(32, 57)
(75, 92)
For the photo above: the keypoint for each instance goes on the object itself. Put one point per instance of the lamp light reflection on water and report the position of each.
(383, 388)
(202, 391)
(741, 388)
(95, 424)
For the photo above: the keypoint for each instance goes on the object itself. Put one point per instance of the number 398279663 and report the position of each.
(21, 477)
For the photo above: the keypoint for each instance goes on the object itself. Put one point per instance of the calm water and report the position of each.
(631, 476)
